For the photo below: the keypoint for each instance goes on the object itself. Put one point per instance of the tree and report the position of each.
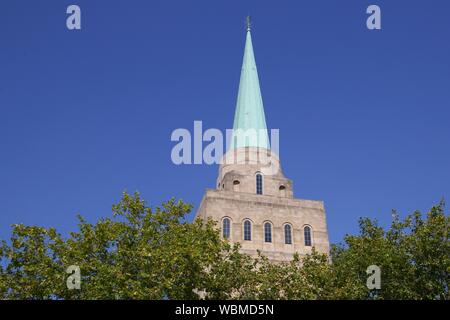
(154, 253)
(141, 253)
(413, 255)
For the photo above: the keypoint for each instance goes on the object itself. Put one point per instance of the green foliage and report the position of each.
(152, 253)
(414, 256)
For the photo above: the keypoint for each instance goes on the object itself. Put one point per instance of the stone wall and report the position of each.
(235, 198)
(238, 207)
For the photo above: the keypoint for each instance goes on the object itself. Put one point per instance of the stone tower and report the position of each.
(253, 201)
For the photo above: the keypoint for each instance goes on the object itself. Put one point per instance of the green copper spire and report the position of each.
(249, 116)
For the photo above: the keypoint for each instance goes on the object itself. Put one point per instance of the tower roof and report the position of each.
(249, 115)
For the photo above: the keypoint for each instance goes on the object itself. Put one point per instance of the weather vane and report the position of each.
(248, 23)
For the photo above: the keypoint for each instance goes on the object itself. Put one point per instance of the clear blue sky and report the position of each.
(363, 115)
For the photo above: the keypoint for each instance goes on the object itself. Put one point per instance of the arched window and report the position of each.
(236, 184)
(282, 191)
(247, 230)
(259, 183)
(226, 228)
(267, 232)
(307, 232)
(287, 234)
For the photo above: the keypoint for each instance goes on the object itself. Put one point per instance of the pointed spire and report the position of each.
(249, 113)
